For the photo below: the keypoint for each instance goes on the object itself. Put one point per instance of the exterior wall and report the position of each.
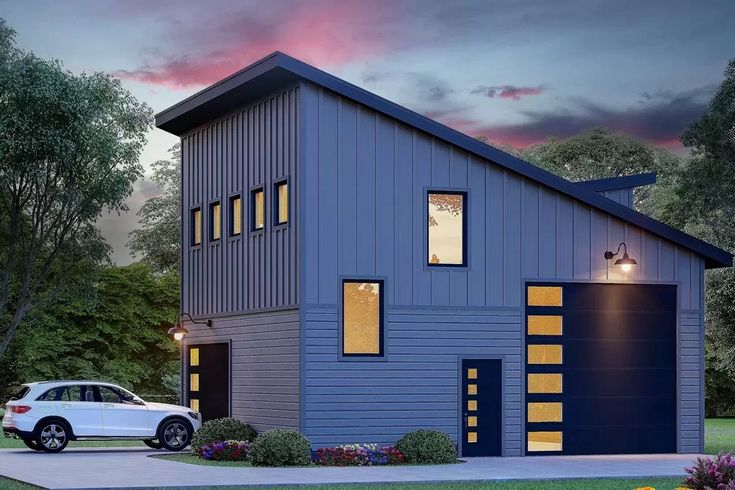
(264, 365)
(620, 196)
(254, 146)
(364, 182)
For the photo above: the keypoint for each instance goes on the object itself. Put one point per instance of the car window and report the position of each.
(53, 394)
(109, 395)
(21, 393)
(72, 393)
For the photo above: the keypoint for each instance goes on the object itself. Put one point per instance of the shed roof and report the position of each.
(279, 70)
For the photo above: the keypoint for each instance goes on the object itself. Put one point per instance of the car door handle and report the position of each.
(65, 405)
(109, 405)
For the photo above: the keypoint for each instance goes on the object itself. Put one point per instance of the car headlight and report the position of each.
(194, 415)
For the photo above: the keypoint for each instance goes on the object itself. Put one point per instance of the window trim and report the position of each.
(192, 228)
(254, 190)
(465, 230)
(210, 221)
(381, 355)
(276, 184)
(231, 215)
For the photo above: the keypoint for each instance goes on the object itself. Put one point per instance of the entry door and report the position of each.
(209, 380)
(481, 407)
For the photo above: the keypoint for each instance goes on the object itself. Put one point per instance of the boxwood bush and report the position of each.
(427, 447)
(280, 447)
(219, 430)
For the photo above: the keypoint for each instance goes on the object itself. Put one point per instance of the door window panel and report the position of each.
(545, 412)
(539, 441)
(544, 325)
(545, 383)
(544, 354)
(544, 296)
(108, 395)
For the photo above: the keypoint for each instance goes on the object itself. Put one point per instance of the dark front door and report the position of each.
(209, 380)
(481, 407)
(601, 368)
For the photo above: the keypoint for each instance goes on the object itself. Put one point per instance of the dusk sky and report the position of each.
(515, 72)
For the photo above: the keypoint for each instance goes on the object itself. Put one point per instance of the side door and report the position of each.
(121, 416)
(78, 406)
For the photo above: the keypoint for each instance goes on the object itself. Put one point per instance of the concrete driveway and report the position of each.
(132, 468)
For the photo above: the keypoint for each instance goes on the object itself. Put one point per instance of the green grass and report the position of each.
(719, 435)
(189, 458)
(10, 484)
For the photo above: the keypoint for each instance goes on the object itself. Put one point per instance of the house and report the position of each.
(369, 272)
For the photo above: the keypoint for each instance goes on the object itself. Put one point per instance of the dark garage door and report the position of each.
(601, 368)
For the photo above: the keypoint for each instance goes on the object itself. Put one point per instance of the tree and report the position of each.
(158, 240)
(69, 148)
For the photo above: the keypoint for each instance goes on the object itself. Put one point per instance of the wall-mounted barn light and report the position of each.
(626, 263)
(179, 332)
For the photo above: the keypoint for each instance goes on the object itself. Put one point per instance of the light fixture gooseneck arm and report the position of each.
(207, 322)
(609, 255)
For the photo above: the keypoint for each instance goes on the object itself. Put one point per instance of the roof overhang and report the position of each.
(279, 70)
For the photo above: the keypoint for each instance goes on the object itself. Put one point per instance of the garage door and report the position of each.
(601, 368)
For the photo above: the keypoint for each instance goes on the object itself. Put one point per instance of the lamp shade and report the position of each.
(178, 332)
(626, 263)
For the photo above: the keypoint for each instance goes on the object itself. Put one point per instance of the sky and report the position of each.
(517, 72)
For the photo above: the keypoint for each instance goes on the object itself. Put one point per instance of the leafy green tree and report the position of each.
(157, 242)
(69, 148)
(115, 332)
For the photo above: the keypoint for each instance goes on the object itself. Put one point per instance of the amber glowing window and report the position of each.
(215, 221)
(281, 196)
(194, 356)
(544, 296)
(544, 383)
(544, 325)
(545, 412)
(472, 389)
(235, 215)
(544, 354)
(196, 226)
(194, 404)
(472, 421)
(472, 373)
(447, 244)
(544, 441)
(472, 437)
(193, 382)
(362, 318)
(471, 405)
(257, 206)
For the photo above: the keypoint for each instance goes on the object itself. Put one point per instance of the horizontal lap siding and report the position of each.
(255, 146)
(365, 178)
(265, 365)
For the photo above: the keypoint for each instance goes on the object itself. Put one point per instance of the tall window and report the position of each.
(257, 206)
(447, 226)
(196, 226)
(235, 215)
(215, 221)
(362, 318)
(281, 202)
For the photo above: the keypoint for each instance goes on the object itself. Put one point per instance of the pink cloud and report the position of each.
(507, 91)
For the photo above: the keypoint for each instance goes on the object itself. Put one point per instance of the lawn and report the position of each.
(719, 435)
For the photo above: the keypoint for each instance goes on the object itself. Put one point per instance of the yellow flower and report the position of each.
(645, 488)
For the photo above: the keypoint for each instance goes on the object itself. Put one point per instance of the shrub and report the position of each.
(359, 455)
(218, 430)
(280, 447)
(427, 447)
(717, 473)
(225, 451)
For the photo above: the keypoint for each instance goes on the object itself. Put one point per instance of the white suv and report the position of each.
(48, 414)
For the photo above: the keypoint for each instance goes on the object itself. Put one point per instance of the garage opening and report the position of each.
(600, 368)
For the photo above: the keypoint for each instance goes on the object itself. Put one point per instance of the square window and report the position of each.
(545, 412)
(472, 421)
(545, 383)
(544, 354)
(544, 296)
(281, 203)
(544, 441)
(447, 227)
(235, 215)
(257, 206)
(196, 226)
(472, 373)
(472, 389)
(544, 325)
(472, 437)
(471, 405)
(215, 221)
(362, 318)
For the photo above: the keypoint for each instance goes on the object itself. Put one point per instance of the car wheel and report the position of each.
(153, 444)
(52, 436)
(174, 435)
(31, 444)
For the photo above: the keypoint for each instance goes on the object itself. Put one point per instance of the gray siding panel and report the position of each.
(254, 146)
(265, 373)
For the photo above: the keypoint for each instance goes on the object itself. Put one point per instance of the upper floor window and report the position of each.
(215, 221)
(447, 228)
(362, 318)
(281, 203)
(196, 226)
(235, 215)
(257, 206)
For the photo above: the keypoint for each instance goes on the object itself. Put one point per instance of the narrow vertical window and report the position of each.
(362, 318)
(447, 229)
(281, 203)
(235, 215)
(196, 226)
(257, 206)
(215, 221)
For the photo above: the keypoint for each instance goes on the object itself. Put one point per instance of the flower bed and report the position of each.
(359, 455)
(225, 451)
(712, 473)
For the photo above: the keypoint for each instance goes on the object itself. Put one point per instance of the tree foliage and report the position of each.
(69, 148)
(157, 242)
